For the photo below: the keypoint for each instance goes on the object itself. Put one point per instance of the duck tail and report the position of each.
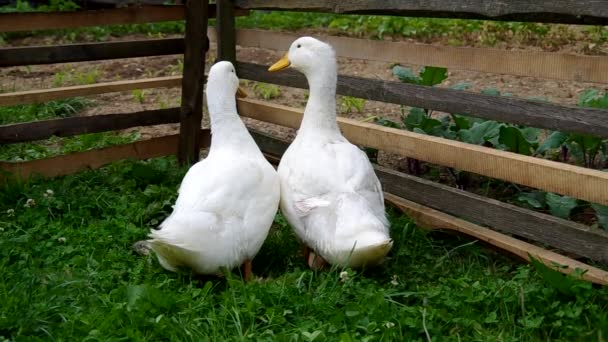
(171, 256)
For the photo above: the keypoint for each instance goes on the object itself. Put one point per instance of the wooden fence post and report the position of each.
(191, 114)
(226, 33)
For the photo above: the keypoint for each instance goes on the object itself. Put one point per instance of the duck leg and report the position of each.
(316, 262)
(246, 270)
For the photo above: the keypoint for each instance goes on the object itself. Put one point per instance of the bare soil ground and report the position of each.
(47, 76)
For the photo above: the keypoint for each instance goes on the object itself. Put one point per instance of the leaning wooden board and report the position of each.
(432, 218)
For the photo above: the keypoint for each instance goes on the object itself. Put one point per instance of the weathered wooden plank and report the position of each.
(225, 26)
(44, 95)
(66, 127)
(565, 235)
(430, 218)
(506, 109)
(32, 55)
(14, 22)
(31, 21)
(593, 12)
(197, 45)
(551, 65)
(587, 184)
(79, 161)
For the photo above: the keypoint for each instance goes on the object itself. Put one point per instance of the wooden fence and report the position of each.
(432, 204)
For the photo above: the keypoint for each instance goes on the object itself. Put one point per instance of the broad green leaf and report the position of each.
(575, 151)
(587, 96)
(428, 124)
(560, 206)
(592, 98)
(480, 132)
(589, 144)
(566, 284)
(514, 140)
(553, 141)
(461, 86)
(405, 75)
(534, 199)
(461, 122)
(386, 123)
(531, 134)
(431, 76)
(601, 212)
(415, 118)
(490, 91)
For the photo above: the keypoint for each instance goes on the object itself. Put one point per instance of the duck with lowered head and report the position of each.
(329, 191)
(226, 202)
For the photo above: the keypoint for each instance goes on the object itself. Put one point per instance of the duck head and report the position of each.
(222, 77)
(307, 55)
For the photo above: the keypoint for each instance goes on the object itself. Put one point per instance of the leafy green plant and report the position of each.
(139, 95)
(266, 91)
(88, 77)
(349, 103)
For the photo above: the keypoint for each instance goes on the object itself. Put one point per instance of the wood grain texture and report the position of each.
(14, 22)
(38, 130)
(191, 115)
(430, 218)
(505, 109)
(551, 11)
(587, 184)
(551, 65)
(31, 21)
(44, 95)
(225, 26)
(32, 55)
(566, 235)
(76, 162)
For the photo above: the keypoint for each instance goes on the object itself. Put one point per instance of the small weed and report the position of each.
(88, 77)
(348, 103)
(139, 95)
(266, 91)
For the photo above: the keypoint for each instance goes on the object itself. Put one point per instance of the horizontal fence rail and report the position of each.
(79, 161)
(89, 51)
(586, 184)
(31, 21)
(593, 12)
(506, 109)
(550, 65)
(43, 95)
(567, 235)
(38, 130)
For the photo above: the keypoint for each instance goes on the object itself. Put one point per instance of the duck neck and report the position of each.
(320, 112)
(227, 129)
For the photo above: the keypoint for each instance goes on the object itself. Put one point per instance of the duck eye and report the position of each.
(299, 46)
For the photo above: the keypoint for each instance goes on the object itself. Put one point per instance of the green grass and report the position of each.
(67, 273)
(54, 146)
(456, 31)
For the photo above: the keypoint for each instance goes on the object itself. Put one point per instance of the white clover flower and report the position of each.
(389, 325)
(343, 276)
(10, 212)
(49, 193)
(29, 203)
(395, 280)
(62, 239)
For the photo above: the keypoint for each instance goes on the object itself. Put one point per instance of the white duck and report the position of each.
(227, 202)
(329, 191)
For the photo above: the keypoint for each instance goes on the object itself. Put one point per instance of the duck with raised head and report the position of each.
(329, 192)
(226, 202)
